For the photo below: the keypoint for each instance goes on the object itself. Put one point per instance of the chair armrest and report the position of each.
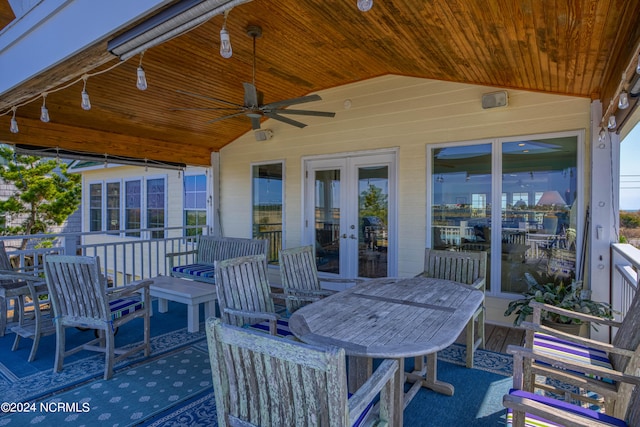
(175, 254)
(577, 339)
(307, 294)
(479, 283)
(538, 307)
(530, 406)
(383, 376)
(560, 363)
(130, 289)
(338, 280)
(12, 275)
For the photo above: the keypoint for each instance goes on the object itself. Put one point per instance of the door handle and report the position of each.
(352, 237)
(344, 236)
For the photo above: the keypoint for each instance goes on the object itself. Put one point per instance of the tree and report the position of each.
(46, 194)
(374, 203)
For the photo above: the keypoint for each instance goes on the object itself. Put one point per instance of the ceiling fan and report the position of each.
(253, 106)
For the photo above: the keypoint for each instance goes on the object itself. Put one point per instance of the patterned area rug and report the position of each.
(477, 400)
(132, 395)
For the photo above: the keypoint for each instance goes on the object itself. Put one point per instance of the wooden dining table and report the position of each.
(391, 318)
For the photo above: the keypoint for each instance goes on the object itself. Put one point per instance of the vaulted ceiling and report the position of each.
(569, 47)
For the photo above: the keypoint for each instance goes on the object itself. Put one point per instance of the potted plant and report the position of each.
(567, 296)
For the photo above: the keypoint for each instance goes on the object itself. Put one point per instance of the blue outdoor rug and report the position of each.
(135, 394)
(477, 400)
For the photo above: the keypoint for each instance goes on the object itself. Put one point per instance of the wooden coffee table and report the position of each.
(189, 292)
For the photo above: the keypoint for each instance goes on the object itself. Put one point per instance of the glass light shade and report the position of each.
(86, 102)
(225, 44)
(141, 82)
(44, 114)
(14, 125)
(551, 198)
(602, 136)
(623, 101)
(612, 122)
(365, 5)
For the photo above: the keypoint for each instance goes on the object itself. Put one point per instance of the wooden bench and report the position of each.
(210, 249)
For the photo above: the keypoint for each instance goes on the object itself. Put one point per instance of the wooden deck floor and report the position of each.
(499, 337)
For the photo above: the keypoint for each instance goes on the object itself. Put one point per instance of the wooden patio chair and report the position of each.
(210, 249)
(244, 295)
(300, 281)
(469, 268)
(533, 409)
(586, 364)
(80, 298)
(262, 380)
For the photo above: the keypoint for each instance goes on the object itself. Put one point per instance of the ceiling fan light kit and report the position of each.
(253, 106)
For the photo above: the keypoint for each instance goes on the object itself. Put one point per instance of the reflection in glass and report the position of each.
(461, 199)
(538, 211)
(267, 207)
(373, 217)
(327, 220)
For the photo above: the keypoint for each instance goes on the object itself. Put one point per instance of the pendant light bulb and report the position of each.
(623, 101)
(365, 5)
(225, 43)
(638, 66)
(612, 122)
(86, 102)
(14, 123)
(44, 112)
(141, 82)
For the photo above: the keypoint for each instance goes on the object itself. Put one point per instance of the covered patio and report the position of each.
(437, 105)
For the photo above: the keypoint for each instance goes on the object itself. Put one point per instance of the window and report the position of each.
(133, 204)
(195, 203)
(268, 187)
(95, 207)
(113, 206)
(155, 206)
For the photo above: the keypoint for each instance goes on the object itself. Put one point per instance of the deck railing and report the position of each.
(625, 265)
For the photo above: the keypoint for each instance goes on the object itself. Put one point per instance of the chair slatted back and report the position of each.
(242, 284)
(262, 380)
(77, 289)
(211, 249)
(463, 267)
(5, 262)
(298, 271)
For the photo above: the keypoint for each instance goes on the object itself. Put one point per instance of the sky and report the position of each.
(630, 171)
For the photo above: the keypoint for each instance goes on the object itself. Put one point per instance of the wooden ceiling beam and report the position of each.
(82, 140)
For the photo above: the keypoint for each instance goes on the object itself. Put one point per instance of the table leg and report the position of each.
(360, 369)
(398, 397)
(431, 381)
(209, 309)
(163, 305)
(193, 317)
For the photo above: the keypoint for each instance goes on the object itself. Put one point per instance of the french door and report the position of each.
(350, 214)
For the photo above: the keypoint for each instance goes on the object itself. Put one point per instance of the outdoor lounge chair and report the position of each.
(469, 268)
(300, 281)
(586, 364)
(244, 295)
(80, 298)
(532, 409)
(262, 380)
(210, 249)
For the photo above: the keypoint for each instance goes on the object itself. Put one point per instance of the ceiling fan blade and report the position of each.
(208, 98)
(308, 113)
(217, 119)
(255, 123)
(205, 109)
(293, 101)
(286, 120)
(250, 95)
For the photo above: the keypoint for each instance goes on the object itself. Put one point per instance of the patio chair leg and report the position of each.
(60, 345)
(109, 353)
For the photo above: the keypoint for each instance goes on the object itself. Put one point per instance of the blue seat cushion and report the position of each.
(282, 328)
(123, 306)
(559, 348)
(534, 421)
(199, 270)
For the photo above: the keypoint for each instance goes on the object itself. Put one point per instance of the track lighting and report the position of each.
(365, 5)
(623, 100)
(225, 41)
(141, 82)
(14, 123)
(44, 112)
(86, 102)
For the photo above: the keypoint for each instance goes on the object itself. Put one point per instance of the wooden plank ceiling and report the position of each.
(571, 47)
